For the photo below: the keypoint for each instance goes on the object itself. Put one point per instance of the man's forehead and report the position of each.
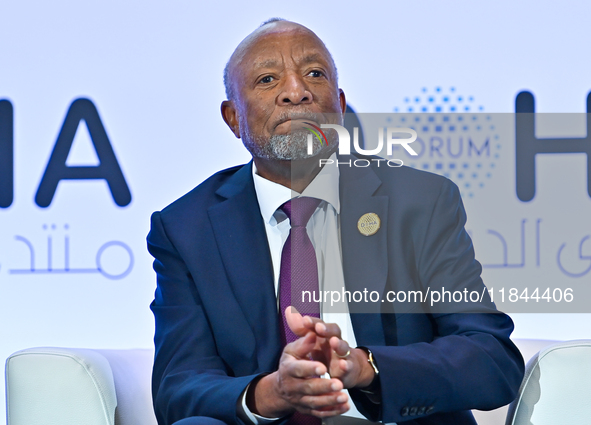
(273, 59)
(263, 45)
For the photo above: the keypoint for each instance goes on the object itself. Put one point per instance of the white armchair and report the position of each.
(69, 386)
(556, 388)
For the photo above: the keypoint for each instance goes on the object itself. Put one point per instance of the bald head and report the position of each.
(270, 26)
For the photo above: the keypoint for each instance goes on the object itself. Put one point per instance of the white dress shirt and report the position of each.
(324, 231)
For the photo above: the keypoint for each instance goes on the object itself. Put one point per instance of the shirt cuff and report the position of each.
(253, 417)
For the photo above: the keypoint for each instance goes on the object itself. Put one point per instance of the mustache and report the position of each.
(299, 115)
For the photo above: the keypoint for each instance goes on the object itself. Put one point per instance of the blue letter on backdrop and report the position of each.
(108, 169)
(6, 154)
(527, 146)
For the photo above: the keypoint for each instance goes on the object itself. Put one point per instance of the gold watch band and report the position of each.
(371, 361)
(373, 388)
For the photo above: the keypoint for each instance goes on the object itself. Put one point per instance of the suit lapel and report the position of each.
(365, 264)
(242, 241)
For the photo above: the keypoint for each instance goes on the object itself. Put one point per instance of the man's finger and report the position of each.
(310, 322)
(324, 402)
(300, 325)
(305, 369)
(340, 347)
(327, 330)
(302, 347)
(316, 387)
(295, 321)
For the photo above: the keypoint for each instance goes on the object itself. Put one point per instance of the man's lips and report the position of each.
(299, 118)
(291, 124)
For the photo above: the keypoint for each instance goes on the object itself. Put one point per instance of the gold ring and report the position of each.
(345, 356)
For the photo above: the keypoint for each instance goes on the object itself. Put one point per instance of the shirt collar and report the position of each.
(271, 195)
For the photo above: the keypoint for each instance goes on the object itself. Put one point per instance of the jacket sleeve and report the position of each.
(189, 377)
(470, 363)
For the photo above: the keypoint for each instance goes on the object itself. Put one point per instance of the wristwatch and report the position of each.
(374, 387)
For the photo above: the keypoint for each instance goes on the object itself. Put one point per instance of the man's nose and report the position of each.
(294, 91)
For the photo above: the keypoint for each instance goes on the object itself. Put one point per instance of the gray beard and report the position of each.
(286, 147)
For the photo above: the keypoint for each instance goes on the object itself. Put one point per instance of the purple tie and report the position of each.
(299, 273)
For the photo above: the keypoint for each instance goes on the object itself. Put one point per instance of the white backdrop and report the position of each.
(153, 71)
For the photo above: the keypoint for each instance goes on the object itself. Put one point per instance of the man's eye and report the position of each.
(267, 79)
(316, 74)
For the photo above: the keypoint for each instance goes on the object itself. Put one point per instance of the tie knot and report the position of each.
(299, 210)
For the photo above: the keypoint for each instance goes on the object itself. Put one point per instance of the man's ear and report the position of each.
(342, 100)
(230, 116)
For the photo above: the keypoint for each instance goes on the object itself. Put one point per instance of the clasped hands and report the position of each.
(297, 384)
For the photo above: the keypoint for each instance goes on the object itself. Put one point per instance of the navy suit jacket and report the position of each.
(217, 325)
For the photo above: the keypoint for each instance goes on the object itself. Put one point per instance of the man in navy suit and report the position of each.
(219, 355)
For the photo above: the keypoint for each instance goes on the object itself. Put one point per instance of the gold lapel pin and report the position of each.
(368, 224)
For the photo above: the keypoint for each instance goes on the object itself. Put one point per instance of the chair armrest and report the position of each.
(47, 386)
(528, 349)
